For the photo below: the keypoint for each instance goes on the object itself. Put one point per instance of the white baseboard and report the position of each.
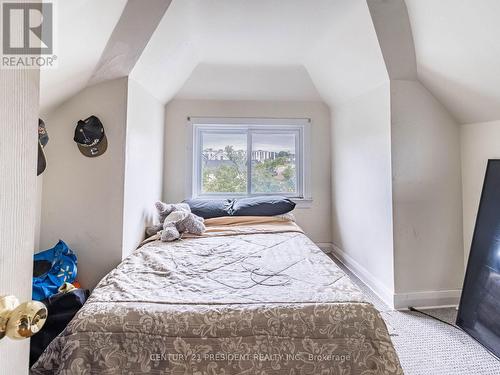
(398, 301)
(325, 246)
(364, 275)
(427, 299)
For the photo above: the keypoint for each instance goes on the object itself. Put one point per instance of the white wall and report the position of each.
(143, 164)
(316, 221)
(480, 142)
(18, 152)
(83, 197)
(397, 194)
(427, 201)
(361, 188)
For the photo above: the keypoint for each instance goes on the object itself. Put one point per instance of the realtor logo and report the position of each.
(27, 35)
(27, 28)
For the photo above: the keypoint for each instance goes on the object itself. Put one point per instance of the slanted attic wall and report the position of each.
(100, 206)
(426, 175)
(82, 200)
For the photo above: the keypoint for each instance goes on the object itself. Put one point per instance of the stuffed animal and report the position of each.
(179, 222)
(164, 210)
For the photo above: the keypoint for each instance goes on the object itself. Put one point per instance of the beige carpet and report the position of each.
(428, 347)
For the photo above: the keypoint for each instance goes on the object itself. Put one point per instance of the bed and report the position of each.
(252, 295)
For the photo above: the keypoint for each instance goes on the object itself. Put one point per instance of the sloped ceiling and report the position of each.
(129, 38)
(333, 41)
(303, 49)
(323, 49)
(457, 45)
(82, 29)
(249, 82)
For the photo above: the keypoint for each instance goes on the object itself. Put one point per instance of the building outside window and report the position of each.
(248, 157)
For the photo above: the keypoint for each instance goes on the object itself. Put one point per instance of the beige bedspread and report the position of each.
(234, 301)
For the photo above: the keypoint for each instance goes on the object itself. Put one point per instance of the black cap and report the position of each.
(41, 161)
(90, 137)
(43, 138)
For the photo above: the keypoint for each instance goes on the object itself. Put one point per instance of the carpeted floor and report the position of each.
(428, 347)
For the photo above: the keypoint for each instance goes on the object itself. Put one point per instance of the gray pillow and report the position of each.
(262, 206)
(209, 208)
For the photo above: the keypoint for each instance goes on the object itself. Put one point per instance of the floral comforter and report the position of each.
(264, 303)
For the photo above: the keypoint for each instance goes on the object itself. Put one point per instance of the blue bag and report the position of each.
(62, 262)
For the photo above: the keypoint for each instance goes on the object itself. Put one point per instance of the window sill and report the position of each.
(302, 203)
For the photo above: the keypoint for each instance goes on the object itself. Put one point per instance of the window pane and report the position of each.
(273, 163)
(223, 163)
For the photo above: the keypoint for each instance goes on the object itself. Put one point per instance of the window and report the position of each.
(248, 157)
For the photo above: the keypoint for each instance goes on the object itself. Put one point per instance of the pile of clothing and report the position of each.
(55, 285)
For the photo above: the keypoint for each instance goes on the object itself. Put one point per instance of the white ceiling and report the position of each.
(81, 31)
(249, 82)
(322, 49)
(457, 44)
(332, 41)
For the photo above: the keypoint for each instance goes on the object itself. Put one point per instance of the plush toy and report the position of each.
(164, 210)
(179, 222)
(175, 219)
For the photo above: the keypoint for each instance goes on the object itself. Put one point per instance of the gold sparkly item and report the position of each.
(7, 305)
(20, 321)
(26, 320)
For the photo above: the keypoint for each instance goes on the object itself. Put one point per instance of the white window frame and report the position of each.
(248, 126)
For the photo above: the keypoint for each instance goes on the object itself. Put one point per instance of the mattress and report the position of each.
(259, 298)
